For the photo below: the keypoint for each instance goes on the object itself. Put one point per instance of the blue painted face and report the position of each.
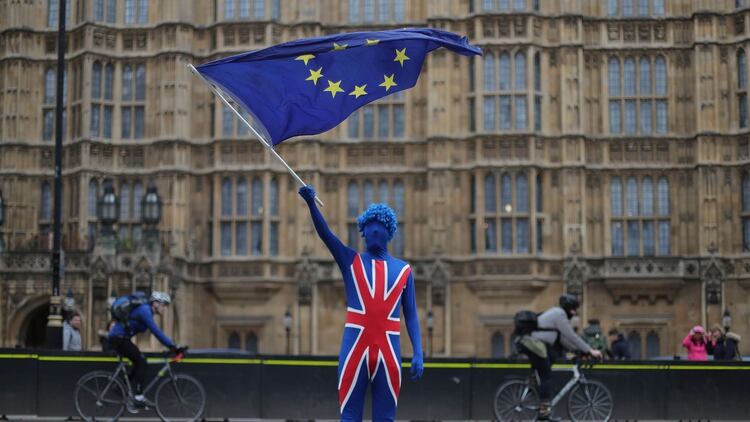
(376, 237)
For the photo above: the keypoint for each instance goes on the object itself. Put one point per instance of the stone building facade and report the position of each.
(598, 147)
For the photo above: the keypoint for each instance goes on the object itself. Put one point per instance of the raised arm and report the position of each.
(337, 248)
(412, 326)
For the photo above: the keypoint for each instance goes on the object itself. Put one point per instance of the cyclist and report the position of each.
(141, 319)
(557, 334)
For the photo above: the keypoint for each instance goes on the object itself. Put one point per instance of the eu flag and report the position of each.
(308, 86)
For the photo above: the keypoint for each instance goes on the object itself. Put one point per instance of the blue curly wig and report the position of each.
(381, 213)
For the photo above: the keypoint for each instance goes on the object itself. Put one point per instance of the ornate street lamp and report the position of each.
(109, 206)
(69, 303)
(430, 325)
(151, 206)
(726, 320)
(288, 327)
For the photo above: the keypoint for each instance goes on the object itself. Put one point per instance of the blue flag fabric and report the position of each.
(308, 86)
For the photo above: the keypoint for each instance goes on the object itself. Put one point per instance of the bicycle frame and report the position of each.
(577, 377)
(122, 373)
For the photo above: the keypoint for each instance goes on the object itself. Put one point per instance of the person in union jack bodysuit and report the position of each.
(375, 284)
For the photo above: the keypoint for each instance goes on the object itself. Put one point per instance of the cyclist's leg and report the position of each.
(126, 348)
(543, 368)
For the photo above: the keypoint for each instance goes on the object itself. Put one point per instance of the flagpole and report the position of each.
(260, 137)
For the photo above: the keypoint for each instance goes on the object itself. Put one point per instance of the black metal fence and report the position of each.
(41, 383)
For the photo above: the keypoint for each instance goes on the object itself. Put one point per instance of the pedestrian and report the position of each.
(594, 337)
(619, 347)
(72, 332)
(721, 346)
(695, 343)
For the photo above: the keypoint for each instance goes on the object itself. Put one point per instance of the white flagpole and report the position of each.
(260, 137)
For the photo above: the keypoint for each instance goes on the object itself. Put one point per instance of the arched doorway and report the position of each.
(33, 333)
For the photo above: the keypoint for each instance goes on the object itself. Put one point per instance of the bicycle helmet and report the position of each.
(569, 302)
(160, 297)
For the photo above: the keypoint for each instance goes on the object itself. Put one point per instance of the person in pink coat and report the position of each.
(695, 343)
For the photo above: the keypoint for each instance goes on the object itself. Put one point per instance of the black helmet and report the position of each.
(569, 302)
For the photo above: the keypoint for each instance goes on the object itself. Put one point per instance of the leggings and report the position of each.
(125, 347)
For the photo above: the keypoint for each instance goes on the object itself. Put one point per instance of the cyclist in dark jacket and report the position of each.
(141, 319)
(557, 334)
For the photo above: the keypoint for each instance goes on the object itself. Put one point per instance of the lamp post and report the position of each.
(288, 327)
(430, 325)
(726, 320)
(54, 337)
(109, 214)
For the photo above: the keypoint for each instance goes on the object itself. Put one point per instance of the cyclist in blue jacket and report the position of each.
(141, 319)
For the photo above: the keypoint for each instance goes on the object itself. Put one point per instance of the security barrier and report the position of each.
(41, 383)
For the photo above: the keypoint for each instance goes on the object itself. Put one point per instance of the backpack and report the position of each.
(525, 322)
(124, 305)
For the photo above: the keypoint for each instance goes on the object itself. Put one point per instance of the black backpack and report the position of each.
(124, 305)
(525, 322)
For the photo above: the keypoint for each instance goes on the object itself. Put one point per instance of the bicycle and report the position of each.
(103, 396)
(518, 400)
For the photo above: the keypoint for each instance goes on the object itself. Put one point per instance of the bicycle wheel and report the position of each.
(590, 401)
(516, 401)
(99, 397)
(180, 398)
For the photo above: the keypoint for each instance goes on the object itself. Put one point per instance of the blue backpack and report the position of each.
(124, 305)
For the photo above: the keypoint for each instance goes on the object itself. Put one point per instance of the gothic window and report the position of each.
(653, 348)
(634, 340)
(745, 212)
(251, 343)
(229, 9)
(241, 203)
(124, 201)
(498, 345)
(46, 206)
(537, 92)
(353, 11)
(506, 222)
(99, 10)
(273, 236)
(133, 102)
(137, 198)
(226, 197)
(382, 119)
(93, 198)
(53, 9)
(276, 10)
(627, 8)
(234, 340)
(658, 7)
(635, 106)
(642, 7)
(505, 100)
(612, 8)
(640, 230)
(260, 9)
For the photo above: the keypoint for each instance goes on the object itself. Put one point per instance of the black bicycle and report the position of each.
(105, 396)
(518, 400)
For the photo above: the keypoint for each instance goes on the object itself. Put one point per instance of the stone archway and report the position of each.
(28, 325)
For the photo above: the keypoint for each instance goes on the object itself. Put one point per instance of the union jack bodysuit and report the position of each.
(375, 284)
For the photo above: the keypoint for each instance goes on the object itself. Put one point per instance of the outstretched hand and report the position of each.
(417, 367)
(307, 193)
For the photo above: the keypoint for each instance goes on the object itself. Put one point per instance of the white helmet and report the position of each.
(160, 297)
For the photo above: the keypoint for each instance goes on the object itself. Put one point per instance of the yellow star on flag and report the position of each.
(388, 81)
(339, 47)
(315, 75)
(333, 88)
(371, 42)
(305, 58)
(401, 56)
(359, 91)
